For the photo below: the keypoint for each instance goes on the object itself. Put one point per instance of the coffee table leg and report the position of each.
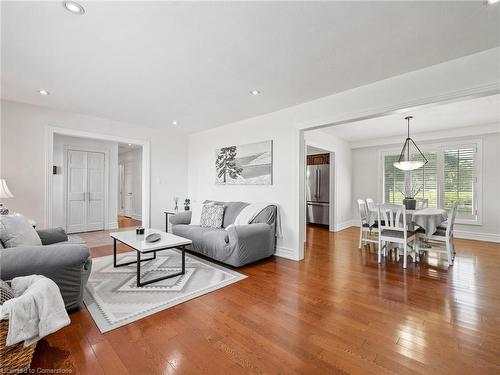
(183, 260)
(114, 252)
(139, 268)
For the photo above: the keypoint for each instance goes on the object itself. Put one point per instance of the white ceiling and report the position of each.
(149, 63)
(474, 112)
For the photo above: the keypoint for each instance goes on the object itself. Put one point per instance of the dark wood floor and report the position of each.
(337, 311)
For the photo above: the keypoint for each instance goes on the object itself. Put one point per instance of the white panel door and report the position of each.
(95, 189)
(86, 193)
(77, 192)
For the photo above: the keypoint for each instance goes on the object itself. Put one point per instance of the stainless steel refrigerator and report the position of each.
(318, 193)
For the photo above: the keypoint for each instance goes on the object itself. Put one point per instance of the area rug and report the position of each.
(114, 300)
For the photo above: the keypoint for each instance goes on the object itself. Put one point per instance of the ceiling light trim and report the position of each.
(74, 7)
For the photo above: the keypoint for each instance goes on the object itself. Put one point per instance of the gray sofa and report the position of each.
(233, 245)
(67, 263)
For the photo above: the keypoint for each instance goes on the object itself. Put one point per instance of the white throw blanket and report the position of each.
(37, 311)
(249, 213)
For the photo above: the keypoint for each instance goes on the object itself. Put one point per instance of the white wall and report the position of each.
(367, 184)
(458, 78)
(59, 180)
(135, 158)
(342, 175)
(202, 185)
(24, 147)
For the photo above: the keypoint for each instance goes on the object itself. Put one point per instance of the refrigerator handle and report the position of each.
(316, 195)
(319, 182)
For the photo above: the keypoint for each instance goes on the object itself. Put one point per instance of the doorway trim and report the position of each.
(51, 131)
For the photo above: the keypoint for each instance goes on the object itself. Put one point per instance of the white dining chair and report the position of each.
(392, 229)
(370, 204)
(442, 240)
(422, 203)
(367, 232)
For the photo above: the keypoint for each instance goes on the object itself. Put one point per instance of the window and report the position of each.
(423, 180)
(459, 180)
(451, 174)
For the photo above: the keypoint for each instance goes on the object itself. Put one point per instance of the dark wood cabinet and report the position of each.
(318, 159)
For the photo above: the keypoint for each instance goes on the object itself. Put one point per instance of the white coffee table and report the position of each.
(139, 244)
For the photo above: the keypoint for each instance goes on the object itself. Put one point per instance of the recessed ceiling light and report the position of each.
(174, 122)
(74, 7)
(43, 92)
(255, 92)
(130, 144)
(489, 2)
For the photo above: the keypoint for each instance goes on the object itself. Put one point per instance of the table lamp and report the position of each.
(4, 193)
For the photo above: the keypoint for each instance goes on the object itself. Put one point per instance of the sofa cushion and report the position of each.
(53, 235)
(196, 210)
(200, 234)
(15, 231)
(232, 210)
(211, 216)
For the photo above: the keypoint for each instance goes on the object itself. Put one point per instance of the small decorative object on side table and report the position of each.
(176, 202)
(187, 203)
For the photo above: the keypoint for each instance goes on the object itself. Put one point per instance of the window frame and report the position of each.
(439, 149)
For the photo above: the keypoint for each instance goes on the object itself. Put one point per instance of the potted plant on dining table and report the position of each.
(410, 192)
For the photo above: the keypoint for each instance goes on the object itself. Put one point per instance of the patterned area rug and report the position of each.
(114, 300)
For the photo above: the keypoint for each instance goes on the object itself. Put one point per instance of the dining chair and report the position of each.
(366, 230)
(422, 203)
(392, 228)
(370, 204)
(442, 240)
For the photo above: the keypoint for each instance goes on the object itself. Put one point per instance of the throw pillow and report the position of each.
(6, 292)
(212, 216)
(53, 235)
(15, 230)
(196, 208)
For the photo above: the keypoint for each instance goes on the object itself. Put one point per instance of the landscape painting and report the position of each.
(250, 164)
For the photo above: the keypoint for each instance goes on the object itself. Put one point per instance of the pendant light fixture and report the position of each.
(406, 161)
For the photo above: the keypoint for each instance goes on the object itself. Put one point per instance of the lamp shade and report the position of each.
(409, 165)
(4, 190)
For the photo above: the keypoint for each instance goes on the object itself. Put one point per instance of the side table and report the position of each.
(168, 212)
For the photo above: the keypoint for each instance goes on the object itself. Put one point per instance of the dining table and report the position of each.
(428, 218)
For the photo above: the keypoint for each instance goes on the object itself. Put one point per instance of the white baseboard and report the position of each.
(466, 235)
(346, 224)
(113, 225)
(285, 252)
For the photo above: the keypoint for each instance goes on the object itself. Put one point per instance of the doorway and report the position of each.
(319, 182)
(130, 185)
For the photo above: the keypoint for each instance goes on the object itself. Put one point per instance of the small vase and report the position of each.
(410, 203)
(186, 208)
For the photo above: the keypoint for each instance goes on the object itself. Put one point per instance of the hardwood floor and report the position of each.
(127, 222)
(337, 311)
(101, 237)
